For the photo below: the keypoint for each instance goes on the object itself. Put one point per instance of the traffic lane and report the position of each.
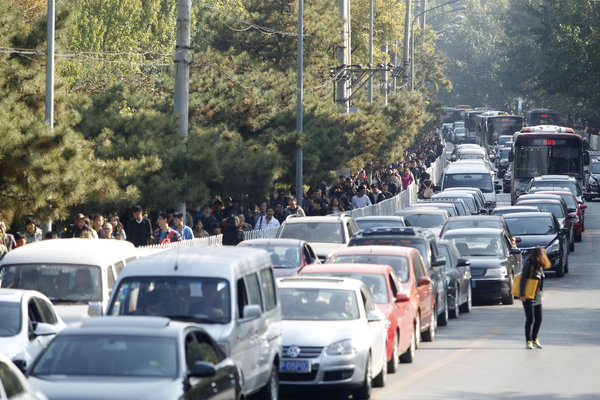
(483, 353)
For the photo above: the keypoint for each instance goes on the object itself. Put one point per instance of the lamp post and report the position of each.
(299, 99)
(412, 27)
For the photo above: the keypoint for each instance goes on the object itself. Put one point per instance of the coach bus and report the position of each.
(545, 150)
(471, 124)
(541, 116)
(502, 125)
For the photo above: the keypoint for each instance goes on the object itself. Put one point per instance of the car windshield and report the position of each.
(398, 263)
(379, 223)
(478, 245)
(375, 283)
(553, 208)
(109, 355)
(470, 156)
(531, 226)
(62, 283)
(323, 232)
(10, 315)
(479, 181)
(504, 154)
(425, 220)
(408, 241)
(571, 185)
(472, 223)
(595, 168)
(282, 256)
(203, 300)
(318, 304)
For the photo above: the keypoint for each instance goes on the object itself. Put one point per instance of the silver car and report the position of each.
(333, 335)
(135, 358)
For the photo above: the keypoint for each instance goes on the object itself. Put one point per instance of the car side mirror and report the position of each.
(203, 369)
(95, 309)
(517, 239)
(564, 231)
(402, 297)
(571, 210)
(424, 281)
(21, 364)
(375, 315)
(498, 187)
(251, 311)
(439, 261)
(463, 262)
(514, 250)
(43, 329)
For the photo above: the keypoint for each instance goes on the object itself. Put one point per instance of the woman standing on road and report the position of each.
(534, 267)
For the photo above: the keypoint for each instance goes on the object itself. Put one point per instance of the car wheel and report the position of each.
(271, 390)
(379, 380)
(443, 317)
(567, 267)
(429, 334)
(418, 331)
(409, 355)
(455, 312)
(510, 298)
(364, 392)
(572, 245)
(561, 271)
(466, 306)
(392, 365)
(578, 238)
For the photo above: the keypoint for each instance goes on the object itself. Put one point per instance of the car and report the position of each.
(558, 208)
(459, 134)
(479, 196)
(503, 139)
(461, 207)
(77, 275)
(474, 206)
(507, 178)
(325, 234)
(14, 385)
(378, 221)
(390, 298)
(551, 181)
(413, 276)
(483, 221)
(541, 229)
(28, 323)
(592, 179)
(471, 154)
(333, 335)
(494, 262)
(450, 208)
(502, 161)
(458, 272)
(514, 209)
(424, 240)
(289, 256)
(425, 217)
(141, 357)
(230, 291)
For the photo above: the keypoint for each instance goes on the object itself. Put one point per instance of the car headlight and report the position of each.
(341, 348)
(496, 271)
(554, 246)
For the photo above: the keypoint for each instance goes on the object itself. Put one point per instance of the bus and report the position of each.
(502, 125)
(544, 150)
(471, 124)
(541, 116)
(481, 127)
(450, 115)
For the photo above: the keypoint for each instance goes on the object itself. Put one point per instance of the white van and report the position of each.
(472, 175)
(77, 275)
(230, 291)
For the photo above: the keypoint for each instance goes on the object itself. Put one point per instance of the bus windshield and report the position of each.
(503, 125)
(545, 156)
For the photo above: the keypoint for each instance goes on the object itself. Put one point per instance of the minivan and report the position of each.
(77, 275)
(474, 175)
(230, 291)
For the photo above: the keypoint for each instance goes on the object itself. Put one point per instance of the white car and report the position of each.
(14, 385)
(333, 335)
(28, 322)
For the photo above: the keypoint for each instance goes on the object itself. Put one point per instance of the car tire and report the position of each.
(467, 305)
(379, 380)
(443, 317)
(455, 312)
(510, 298)
(578, 238)
(429, 334)
(418, 331)
(409, 355)
(561, 271)
(572, 246)
(392, 365)
(364, 392)
(567, 267)
(271, 390)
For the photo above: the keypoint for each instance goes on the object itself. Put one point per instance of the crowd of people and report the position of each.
(230, 218)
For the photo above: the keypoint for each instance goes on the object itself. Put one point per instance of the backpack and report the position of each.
(428, 192)
(167, 239)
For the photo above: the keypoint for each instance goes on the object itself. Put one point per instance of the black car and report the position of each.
(559, 209)
(381, 221)
(494, 262)
(474, 221)
(592, 180)
(541, 229)
(506, 179)
(423, 240)
(458, 272)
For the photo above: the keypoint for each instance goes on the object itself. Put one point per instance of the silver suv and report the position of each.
(325, 234)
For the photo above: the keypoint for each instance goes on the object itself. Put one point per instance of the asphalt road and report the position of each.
(482, 354)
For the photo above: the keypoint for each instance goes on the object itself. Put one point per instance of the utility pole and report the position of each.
(344, 58)
(49, 106)
(405, 60)
(371, 51)
(299, 100)
(182, 72)
(423, 15)
(384, 79)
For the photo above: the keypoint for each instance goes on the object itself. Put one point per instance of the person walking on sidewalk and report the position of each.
(534, 267)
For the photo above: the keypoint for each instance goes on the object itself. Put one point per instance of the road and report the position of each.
(482, 354)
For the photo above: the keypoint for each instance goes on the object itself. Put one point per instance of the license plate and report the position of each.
(295, 366)
(473, 283)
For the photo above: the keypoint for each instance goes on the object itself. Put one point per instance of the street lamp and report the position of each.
(453, 20)
(412, 36)
(447, 28)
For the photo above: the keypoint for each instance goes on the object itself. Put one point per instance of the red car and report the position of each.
(572, 205)
(391, 299)
(412, 275)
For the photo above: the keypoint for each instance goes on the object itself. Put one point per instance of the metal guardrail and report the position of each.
(386, 207)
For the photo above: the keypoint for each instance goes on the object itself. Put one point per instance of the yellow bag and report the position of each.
(530, 287)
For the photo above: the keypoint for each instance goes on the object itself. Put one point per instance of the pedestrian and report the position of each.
(139, 228)
(7, 238)
(407, 178)
(232, 231)
(294, 208)
(32, 232)
(184, 230)
(534, 267)
(426, 189)
(267, 221)
(118, 227)
(164, 234)
(360, 199)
